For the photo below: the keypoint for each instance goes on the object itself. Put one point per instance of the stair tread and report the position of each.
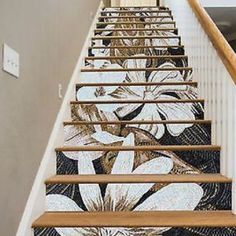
(135, 23)
(90, 84)
(134, 47)
(139, 148)
(134, 69)
(138, 122)
(123, 101)
(135, 219)
(134, 57)
(135, 37)
(136, 11)
(107, 178)
(136, 29)
(112, 17)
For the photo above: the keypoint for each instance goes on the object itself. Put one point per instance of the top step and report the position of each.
(137, 7)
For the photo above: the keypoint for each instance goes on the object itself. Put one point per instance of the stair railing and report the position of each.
(214, 64)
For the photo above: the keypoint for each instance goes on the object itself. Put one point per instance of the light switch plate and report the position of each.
(11, 62)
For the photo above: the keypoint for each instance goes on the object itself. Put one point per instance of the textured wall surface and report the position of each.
(49, 36)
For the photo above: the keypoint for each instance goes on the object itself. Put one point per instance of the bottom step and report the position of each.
(137, 223)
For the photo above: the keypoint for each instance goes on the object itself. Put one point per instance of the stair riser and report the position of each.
(195, 134)
(210, 196)
(78, 111)
(178, 62)
(133, 32)
(137, 42)
(121, 91)
(135, 13)
(183, 162)
(181, 231)
(135, 51)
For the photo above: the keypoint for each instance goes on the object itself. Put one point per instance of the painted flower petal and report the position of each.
(150, 113)
(160, 165)
(105, 137)
(125, 159)
(174, 197)
(81, 137)
(58, 202)
(136, 76)
(123, 165)
(90, 193)
(176, 111)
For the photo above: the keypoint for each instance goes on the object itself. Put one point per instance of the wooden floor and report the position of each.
(136, 219)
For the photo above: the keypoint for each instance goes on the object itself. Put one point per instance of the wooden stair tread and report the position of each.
(136, 29)
(136, 23)
(135, 17)
(134, 69)
(122, 101)
(137, 11)
(135, 57)
(137, 122)
(135, 37)
(140, 148)
(137, 84)
(107, 178)
(135, 47)
(136, 219)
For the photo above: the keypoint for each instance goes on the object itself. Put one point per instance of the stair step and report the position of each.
(134, 30)
(138, 23)
(137, 7)
(136, 47)
(135, 69)
(125, 122)
(136, 57)
(119, 179)
(137, 219)
(133, 84)
(139, 148)
(136, 11)
(135, 17)
(134, 37)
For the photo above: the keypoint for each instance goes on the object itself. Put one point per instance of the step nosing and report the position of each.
(138, 122)
(139, 148)
(127, 84)
(137, 219)
(135, 69)
(141, 178)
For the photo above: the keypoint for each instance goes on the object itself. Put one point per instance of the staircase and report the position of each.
(137, 157)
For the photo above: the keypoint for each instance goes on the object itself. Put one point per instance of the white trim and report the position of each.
(35, 205)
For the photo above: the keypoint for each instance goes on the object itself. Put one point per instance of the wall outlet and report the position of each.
(11, 61)
(60, 91)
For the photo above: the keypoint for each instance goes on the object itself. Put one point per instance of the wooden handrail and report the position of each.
(223, 48)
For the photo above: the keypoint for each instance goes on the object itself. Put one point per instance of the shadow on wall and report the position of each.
(225, 19)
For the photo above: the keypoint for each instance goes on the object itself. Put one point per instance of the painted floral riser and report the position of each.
(135, 51)
(145, 111)
(188, 162)
(139, 232)
(139, 197)
(195, 134)
(135, 32)
(175, 42)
